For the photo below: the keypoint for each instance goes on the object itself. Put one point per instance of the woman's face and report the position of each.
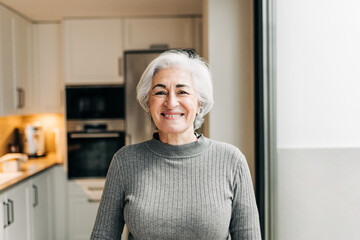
(173, 102)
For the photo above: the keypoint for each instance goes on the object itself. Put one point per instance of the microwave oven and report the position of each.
(95, 102)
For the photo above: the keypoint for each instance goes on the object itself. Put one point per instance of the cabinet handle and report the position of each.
(36, 196)
(120, 66)
(11, 204)
(18, 98)
(21, 98)
(6, 216)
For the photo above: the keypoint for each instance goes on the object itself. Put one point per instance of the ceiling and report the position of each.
(55, 10)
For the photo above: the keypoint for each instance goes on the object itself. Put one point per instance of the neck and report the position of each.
(176, 138)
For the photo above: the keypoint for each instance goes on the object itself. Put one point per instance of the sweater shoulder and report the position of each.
(130, 151)
(228, 152)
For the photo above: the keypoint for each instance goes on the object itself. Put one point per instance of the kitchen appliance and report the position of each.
(138, 124)
(95, 128)
(34, 140)
(91, 146)
(95, 102)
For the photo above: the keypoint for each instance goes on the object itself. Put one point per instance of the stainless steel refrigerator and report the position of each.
(138, 124)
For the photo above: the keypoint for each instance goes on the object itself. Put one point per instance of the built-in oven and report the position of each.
(95, 117)
(91, 146)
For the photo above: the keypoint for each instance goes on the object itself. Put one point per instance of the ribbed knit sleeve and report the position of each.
(109, 221)
(244, 222)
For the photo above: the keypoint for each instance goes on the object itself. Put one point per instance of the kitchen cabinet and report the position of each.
(3, 211)
(146, 33)
(93, 48)
(16, 219)
(15, 64)
(22, 55)
(47, 83)
(40, 206)
(7, 85)
(84, 200)
(27, 210)
(93, 51)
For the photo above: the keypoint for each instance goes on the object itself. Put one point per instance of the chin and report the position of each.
(174, 130)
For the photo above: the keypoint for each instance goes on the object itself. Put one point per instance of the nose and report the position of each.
(171, 101)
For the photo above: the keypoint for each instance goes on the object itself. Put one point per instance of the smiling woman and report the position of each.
(173, 105)
(178, 185)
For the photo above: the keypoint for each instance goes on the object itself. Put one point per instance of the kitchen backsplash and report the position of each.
(7, 126)
(51, 123)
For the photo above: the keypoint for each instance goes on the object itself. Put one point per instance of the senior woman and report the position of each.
(178, 185)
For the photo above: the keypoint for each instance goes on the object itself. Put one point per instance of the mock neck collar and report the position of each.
(178, 151)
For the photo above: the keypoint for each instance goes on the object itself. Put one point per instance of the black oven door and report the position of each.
(90, 154)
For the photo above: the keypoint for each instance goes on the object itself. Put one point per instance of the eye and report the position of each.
(183, 92)
(160, 93)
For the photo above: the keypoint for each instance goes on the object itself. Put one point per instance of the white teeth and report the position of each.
(171, 116)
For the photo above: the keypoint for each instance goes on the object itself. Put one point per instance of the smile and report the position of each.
(172, 115)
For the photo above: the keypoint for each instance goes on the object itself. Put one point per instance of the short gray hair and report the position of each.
(189, 61)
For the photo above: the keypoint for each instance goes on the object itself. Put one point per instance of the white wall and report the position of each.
(318, 73)
(317, 178)
(230, 55)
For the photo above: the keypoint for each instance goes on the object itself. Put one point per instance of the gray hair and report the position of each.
(189, 61)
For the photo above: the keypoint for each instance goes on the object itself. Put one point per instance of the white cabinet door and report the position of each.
(3, 216)
(146, 33)
(40, 205)
(15, 64)
(59, 203)
(83, 214)
(22, 55)
(84, 200)
(47, 74)
(93, 51)
(27, 210)
(18, 222)
(8, 96)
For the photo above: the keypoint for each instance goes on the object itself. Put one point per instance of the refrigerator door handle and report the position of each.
(120, 62)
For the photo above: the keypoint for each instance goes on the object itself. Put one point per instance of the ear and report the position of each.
(198, 109)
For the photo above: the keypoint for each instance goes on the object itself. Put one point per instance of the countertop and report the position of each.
(30, 168)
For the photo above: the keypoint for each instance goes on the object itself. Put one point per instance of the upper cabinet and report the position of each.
(146, 33)
(93, 48)
(47, 73)
(7, 84)
(93, 51)
(23, 54)
(16, 69)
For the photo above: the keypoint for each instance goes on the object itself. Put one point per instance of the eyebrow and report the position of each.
(164, 86)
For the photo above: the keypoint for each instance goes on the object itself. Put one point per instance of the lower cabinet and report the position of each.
(83, 217)
(84, 200)
(26, 211)
(16, 213)
(40, 207)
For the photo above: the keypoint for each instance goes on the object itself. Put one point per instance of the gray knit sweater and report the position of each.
(200, 190)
